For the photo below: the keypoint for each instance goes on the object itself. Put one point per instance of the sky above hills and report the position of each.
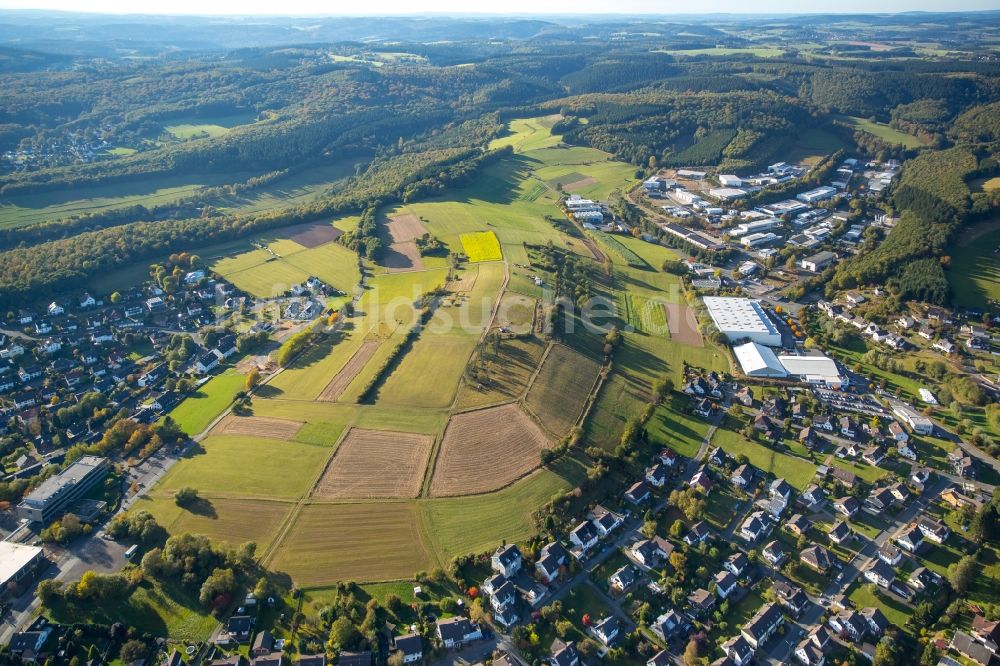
(565, 7)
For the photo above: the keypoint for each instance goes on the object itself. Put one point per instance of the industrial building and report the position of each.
(742, 319)
(819, 194)
(758, 361)
(729, 180)
(818, 369)
(756, 240)
(727, 193)
(819, 261)
(919, 423)
(56, 495)
(17, 562)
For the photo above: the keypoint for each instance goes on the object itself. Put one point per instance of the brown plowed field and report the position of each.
(404, 228)
(314, 234)
(258, 426)
(376, 463)
(354, 365)
(486, 450)
(402, 257)
(683, 325)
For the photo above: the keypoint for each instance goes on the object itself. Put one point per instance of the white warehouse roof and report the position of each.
(13, 558)
(739, 318)
(758, 361)
(812, 369)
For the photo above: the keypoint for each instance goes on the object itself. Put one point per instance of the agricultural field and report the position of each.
(346, 374)
(258, 426)
(516, 313)
(230, 520)
(429, 374)
(619, 249)
(329, 543)
(241, 466)
(186, 129)
(560, 390)
(643, 314)
(376, 463)
(482, 246)
(485, 450)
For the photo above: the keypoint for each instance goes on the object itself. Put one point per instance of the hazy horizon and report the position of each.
(512, 8)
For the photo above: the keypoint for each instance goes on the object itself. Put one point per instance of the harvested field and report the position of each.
(511, 369)
(579, 184)
(402, 257)
(404, 228)
(516, 312)
(258, 426)
(464, 283)
(683, 325)
(486, 450)
(376, 463)
(559, 392)
(330, 543)
(346, 375)
(314, 234)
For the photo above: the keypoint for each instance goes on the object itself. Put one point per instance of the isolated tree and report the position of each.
(185, 496)
(133, 650)
(962, 573)
(253, 379)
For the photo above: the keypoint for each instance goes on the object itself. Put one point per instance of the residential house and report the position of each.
(622, 579)
(738, 650)
(849, 624)
(702, 601)
(890, 554)
(971, 649)
(743, 476)
(880, 573)
(880, 500)
(701, 480)
(205, 363)
(506, 560)
(840, 532)
(962, 463)
(910, 538)
(898, 433)
(263, 644)
(877, 621)
(847, 506)
(744, 396)
(412, 647)
(551, 560)
(817, 558)
(790, 596)
(808, 438)
(608, 630)
(774, 553)
(667, 457)
(813, 497)
(844, 477)
(638, 493)
(457, 631)
(650, 552)
(811, 651)
(584, 536)
(737, 563)
(765, 622)
(698, 533)
(667, 624)
(934, 530)
(986, 632)
(656, 475)
(874, 455)
(725, 584)
(823, 422)
(563, 653)
(798, 524)
(848, 428)
(605, 521)
(238, 629)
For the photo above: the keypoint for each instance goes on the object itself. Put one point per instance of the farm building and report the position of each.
(758, 361)
(742, 318)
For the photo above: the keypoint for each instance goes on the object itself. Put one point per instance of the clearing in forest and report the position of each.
(559, 392)
(376, 463)
(486, 450)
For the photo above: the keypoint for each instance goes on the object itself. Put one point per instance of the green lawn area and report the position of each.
(583, 600)
(797, 472)
(974, 272)
(196, 412)
(194, 128)
(865, 596)
(149, 608)
(721, 507)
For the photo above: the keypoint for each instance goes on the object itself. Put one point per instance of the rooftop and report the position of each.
(13, 558)
(739, 315)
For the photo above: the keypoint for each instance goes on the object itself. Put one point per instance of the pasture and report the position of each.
(516, 313)
(376, 463)
(560, 390)
(188, 128)
(974, 273)
(485, 450)
(429, 373)
(197, 411)
(482, 246)
(241, 466)
(506, 372)
(329, 543)
(882, 131)
(477, 523)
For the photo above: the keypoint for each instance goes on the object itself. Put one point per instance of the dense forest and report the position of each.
(417, 123)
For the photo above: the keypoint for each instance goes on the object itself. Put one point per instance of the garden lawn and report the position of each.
(796, 471)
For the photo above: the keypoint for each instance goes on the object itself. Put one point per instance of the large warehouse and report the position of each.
(742, 319)
(758, 361)
(815, 369)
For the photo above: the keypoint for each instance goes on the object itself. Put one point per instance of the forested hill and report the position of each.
(413, 116)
